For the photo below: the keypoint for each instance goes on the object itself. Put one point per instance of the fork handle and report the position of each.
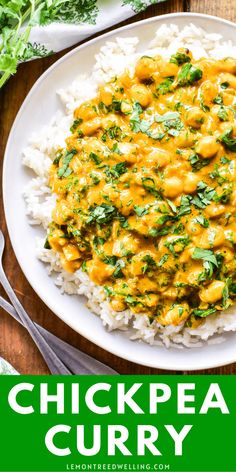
(53, 362)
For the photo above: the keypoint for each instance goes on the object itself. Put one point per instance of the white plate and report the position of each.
(37, 109)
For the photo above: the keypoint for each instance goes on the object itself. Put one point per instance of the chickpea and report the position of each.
(212, 237)
(145, 67)
(85, 111)
(193, 276)
(125, 80)
(185, 140)
(207, 147)
(171, 293)
(186, 255)
(141, 94)
(98, 271)
(229, 98)
(195, 117)
(118, 304)
(175, 315)
(110, 120)
(227, 253)
(90, 127)
(69, 266)
(158, 157)
(191, 181)
(130, 152)
(57, 240)
(168, 69)
(194, 228)
(106, 93)
(61, 213)
(213, 210)
(228, 65)
(211, 123)
(208, 91)
(145, 284)
(71, 252)
(213, 292)
(194, 322)
(173, 186)
(230, 233)
(151, 300)
(230, 78)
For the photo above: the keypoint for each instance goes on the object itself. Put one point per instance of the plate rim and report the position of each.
(92, 338)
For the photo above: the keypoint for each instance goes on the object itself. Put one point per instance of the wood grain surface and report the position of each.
(15, 344)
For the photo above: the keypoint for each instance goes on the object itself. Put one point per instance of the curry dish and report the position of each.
(146, 189)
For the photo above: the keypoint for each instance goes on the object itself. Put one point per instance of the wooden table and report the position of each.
(15, 344)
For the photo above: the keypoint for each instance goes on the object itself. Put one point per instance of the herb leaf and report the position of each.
(64, 170)
(228, 141)
(188, 75)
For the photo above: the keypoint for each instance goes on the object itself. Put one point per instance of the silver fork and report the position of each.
(77, 361)
(53, 362)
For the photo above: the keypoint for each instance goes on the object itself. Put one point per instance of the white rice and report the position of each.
(113, 58)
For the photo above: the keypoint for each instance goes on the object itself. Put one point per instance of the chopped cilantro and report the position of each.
(64, 170)
(227, 139)
(179, 58)
(188, 75)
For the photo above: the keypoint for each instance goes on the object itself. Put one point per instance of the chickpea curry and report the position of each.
(146, 189)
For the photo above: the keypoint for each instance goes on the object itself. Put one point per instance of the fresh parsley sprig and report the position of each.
(17, 17)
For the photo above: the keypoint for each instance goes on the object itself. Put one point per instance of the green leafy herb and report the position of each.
(224, 85)
(210, 261)
(224, 160)
(188, 75)
(118, 274)
(202, 221)
(114, 132)
(203, 106)
(165, 87)
(228, 141)
(150, 186)
(111, 260)
(223, 114)
(179, 58)
(183, 241)
(17, 19)
(135, 117)
(184, 208)
(76, 123)
(95, 178)
(197, 163)
(95, 158)
(163, 259)
(204, 313)
(140, 211)
(101, 214)
(150, 263)
(204, 195)
(218, 100)
(64, 171)
(47, 244)
(117, 170)
(170, 115)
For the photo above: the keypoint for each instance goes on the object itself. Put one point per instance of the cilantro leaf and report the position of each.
(188, 75)
(101, 214)
(165, 87)
(179, 58)
(64, 170)
(223, 114)
(204, 313)
(228, 141)
(206, 255)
